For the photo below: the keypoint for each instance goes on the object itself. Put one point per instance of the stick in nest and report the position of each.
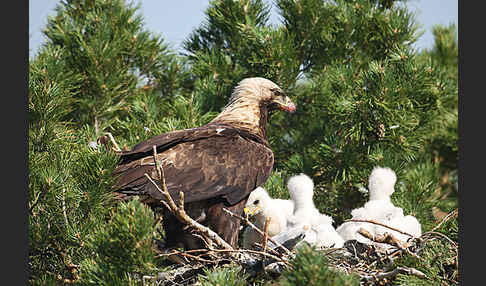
(265, 235)
(179, 212)
(259, 231)
(389, 239)
(394, 272)
(380, 224)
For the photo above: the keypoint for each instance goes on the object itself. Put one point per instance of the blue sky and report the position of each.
(175, 19)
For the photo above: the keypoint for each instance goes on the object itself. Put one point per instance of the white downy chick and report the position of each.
(381, 185)
(262, 206)
(320, 231)
(408, 224)
(379, 208)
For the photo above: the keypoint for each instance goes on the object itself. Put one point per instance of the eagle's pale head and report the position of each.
(250, 103)
(265, 91)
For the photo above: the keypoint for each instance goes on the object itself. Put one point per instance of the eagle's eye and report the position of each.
(256, 202)
(276, 92)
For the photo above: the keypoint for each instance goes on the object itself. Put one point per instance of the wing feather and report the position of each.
(202, 163)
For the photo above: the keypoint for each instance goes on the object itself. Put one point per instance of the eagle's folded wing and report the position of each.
(225, 163)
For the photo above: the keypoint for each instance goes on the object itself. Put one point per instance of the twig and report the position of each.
(209, 251)
(446, 218)
(146, 277)
(36, 201)
(265, 235)
(180, 213)
(117, 148)
(394, 272)
(380, 224)
(259, 231)
(268, 250)
(241, 250)
(428, 233)
(97, 130)
(182, 216)
(157, 220)
(387, 238)
(158, 168)
(185, 254)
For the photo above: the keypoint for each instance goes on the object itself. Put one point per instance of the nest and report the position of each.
(274, 254)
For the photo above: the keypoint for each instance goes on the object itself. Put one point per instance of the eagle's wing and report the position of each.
(162, 141)
(203, 163)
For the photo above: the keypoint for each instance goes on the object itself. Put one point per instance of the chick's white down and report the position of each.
(262, 206)
(320, 231)
(381, 185)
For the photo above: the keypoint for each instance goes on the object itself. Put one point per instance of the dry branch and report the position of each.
(394, 272)
(386, 238)
(117, 148)
(265, 235)
(179, 212)
(380, 224)
(450, 215)
(259, 231)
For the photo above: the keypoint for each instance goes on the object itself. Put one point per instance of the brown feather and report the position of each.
(216, 165)
(226, 163)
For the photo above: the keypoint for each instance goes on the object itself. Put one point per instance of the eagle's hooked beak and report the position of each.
(283, 102)
(288, 105)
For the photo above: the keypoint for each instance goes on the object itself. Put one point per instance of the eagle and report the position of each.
(216, 165)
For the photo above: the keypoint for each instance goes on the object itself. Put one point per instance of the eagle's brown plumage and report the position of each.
(216, 165)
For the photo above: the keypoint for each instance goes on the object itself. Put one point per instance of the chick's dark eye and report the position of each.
(256, 202)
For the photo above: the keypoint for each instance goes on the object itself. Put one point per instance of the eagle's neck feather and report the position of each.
(248, 115)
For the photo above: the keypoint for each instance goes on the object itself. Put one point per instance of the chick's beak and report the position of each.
(248, 212)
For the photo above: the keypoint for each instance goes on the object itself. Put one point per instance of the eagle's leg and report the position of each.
(223, 224)
(177, 235)
(209, 213)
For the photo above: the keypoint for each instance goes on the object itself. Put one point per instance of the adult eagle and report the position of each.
(215, 165)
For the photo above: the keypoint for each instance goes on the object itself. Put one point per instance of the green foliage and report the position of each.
(70, 179)
(324, 32)
(439, 258)
(226, 49)
(310, 267)
(277, 185)
(113, 55)
(364, 98)
(231, 276)
(120, 247)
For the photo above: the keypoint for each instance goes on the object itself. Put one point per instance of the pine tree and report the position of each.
(118, 59)
(364, 96)
(97, 66)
